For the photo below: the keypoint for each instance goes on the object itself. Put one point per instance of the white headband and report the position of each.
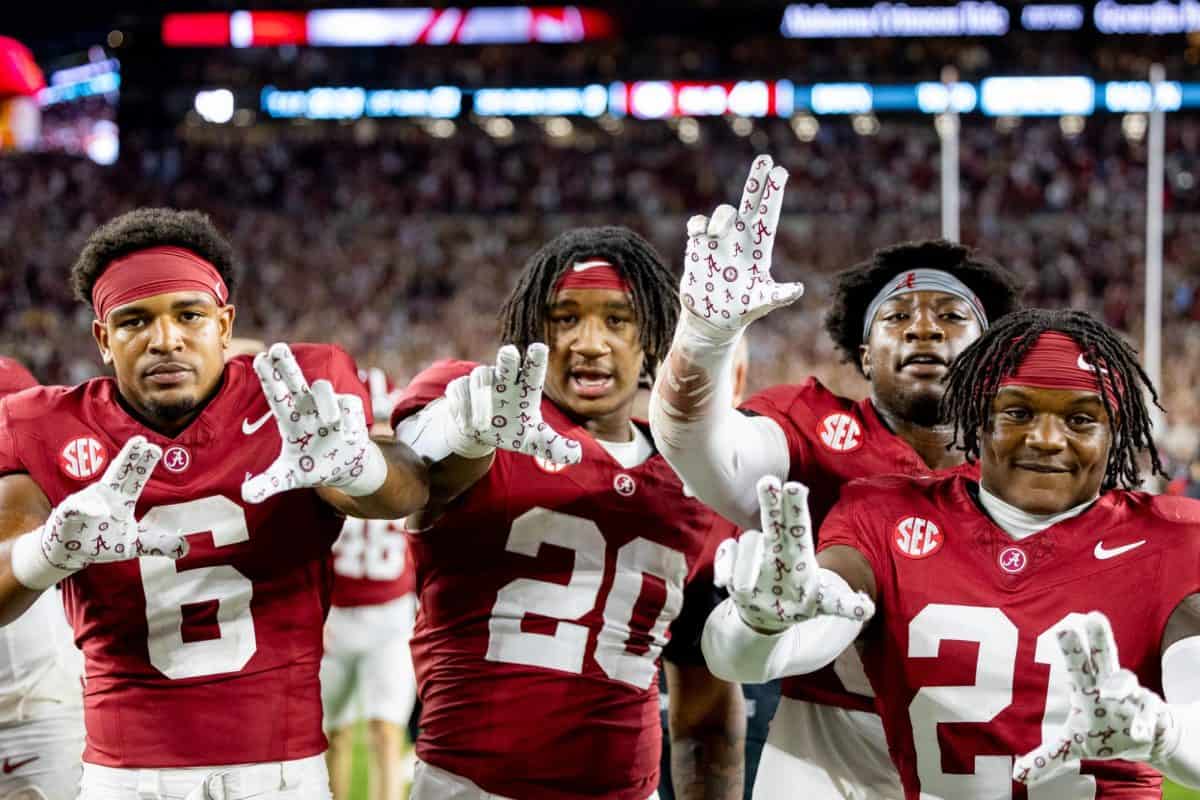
(923, 280)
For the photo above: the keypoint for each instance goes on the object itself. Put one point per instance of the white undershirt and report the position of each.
(1020, 524)
(632, 453)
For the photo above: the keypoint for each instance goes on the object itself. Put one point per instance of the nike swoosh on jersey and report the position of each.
(1101, 552)
(249, 427)
(11, 766)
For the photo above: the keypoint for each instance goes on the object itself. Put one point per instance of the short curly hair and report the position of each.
(998, 288)
(151, 227)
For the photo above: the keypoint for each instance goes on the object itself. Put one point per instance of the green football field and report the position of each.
(359, 789)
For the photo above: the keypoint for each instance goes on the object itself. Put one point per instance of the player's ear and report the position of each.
(100, 334)
(864, 359)
(225, 315)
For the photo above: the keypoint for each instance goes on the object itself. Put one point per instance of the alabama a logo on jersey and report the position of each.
(840, 433)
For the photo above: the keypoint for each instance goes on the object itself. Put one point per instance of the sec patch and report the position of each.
(83, 458)
(840, 433)
(915, 537)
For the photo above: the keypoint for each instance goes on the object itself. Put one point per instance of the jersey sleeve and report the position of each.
(429, 385)
(10, 460)
(786, 407)
(14, 377)
(848, 524)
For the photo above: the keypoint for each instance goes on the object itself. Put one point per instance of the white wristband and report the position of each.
(433, 434)
(374, 473)
(30, 566)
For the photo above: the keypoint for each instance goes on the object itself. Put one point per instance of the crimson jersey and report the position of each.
(212, 659)
(962, 652)
(833, 440)
(371, 564)
(14, 377)
(546, 595)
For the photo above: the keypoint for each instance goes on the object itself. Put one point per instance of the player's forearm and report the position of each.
(15, 598)
(736, 652)
(708, 762)
(1179, 756)
(405, 488)
(717, 451)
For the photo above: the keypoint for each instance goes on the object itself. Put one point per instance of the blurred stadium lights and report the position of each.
(86, 80)
(688, 130)
(214, 105)
(558, 127)
(742, 126)
(498, 127)
(1071, 125)
(1052, 16)
(803, 21)
(1134, 126)
(1160, 17)
(1031, 97)
(806, 127)
(387, 27)
(1007, 96)
(865, 124)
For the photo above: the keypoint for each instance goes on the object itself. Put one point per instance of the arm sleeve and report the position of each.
(719, 452)
(736, 652)
(1180, 759)
(429, 385)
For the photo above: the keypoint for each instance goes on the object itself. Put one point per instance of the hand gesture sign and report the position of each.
(325, 439)
(96, 524)
(1111, 716)
(501, 406)
(727, 268)
(773, 575)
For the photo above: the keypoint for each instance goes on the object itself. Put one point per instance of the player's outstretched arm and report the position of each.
(707, 724)
(789, 610)
(495, 407)
(726, 285)
(326, 445)
(95, 525)
(1113, 716)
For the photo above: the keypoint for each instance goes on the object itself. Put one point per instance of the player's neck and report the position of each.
(615, 426)
(933, 443)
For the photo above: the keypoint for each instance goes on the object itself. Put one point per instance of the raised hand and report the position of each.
(96, 525)
(325, 438)
(772, 574)
(1112, 715)
(727, 267)
(501, 407)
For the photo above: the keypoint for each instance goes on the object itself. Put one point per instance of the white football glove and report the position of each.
(96, 524)
(1111, 716)
(772, 575)
(325, 438)
(727, 268)
(501, 406)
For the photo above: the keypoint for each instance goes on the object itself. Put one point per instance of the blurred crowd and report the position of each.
(398, 241)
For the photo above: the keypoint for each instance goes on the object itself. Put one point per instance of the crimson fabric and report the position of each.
(833, 440)
(273, 556)
(595, 273)
(155, 270)
(19, 73)
(371, 563)
(1055, 361)
(14, 377)
(974, 609)
(572, 542)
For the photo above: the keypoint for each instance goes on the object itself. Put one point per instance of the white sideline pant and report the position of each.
(302, 779)
(431, 783)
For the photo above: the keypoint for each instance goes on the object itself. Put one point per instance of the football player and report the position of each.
(902, 317)
(202, 666)
(367, 673)
(560, 551)
(999, 604)
(41, 700)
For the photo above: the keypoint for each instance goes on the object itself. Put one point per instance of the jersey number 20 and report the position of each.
(565, 649)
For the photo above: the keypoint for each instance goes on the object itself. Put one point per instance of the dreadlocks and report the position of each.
(655, 288)
(974, 379)
(997, 288)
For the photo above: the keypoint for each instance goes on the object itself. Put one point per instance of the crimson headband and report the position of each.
(1055, 361)
(594, 273)
(155, 270)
